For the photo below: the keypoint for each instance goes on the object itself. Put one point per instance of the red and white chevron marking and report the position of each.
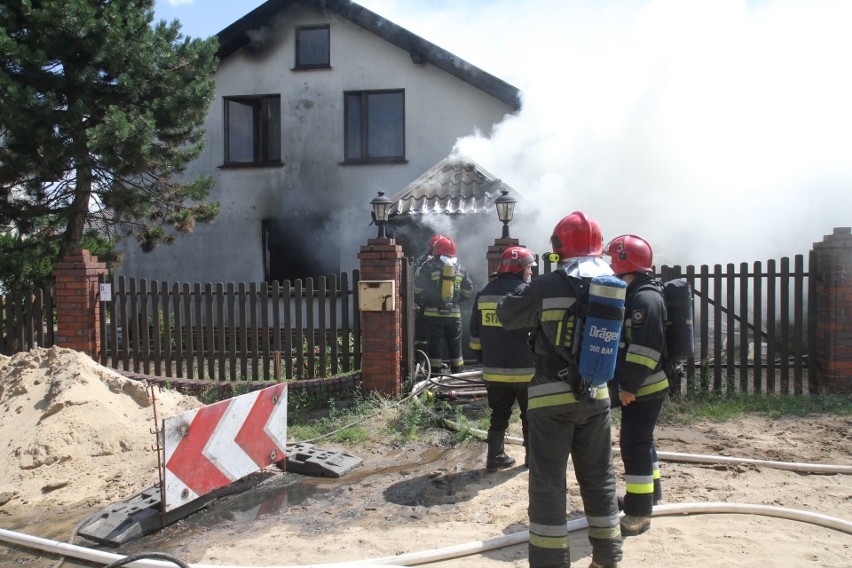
(215, 445)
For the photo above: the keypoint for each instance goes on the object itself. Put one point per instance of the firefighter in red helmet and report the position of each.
(440, 285)
(508, 362)
(562, 422)
(420, 339)
(640, 384)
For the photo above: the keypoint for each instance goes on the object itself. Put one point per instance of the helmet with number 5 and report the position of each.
(577, 235)
(630, 254)
(515, 259)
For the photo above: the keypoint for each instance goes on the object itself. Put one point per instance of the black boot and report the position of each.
(496, 459)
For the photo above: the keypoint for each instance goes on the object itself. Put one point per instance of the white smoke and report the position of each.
(720, 130)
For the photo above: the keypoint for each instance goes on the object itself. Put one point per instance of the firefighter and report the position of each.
(640, 384)
(508, 363)
(564, 418)
(440, 285)
(420, 340)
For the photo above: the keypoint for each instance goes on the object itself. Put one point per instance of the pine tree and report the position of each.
(100, 112)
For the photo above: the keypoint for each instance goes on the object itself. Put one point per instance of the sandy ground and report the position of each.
(76, 437)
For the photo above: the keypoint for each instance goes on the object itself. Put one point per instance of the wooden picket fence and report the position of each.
(754, 328)
(233, 332)
(26, 321)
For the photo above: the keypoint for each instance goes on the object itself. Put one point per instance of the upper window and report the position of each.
(253, 130)
(375, 126)
(312, 47)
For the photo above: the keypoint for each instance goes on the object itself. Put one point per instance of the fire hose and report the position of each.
(159, 560)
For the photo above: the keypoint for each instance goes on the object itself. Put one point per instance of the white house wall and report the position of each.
(439, 108)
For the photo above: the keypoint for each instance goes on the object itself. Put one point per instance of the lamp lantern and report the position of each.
(381, 211)
(505, 209)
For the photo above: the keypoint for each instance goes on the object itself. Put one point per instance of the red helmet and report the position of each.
(577, 235)
(630, 254)
(444, 246)
(434, 240)
(515, 259)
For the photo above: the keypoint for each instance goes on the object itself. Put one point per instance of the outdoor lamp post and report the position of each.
(505, 209)
(381, 210)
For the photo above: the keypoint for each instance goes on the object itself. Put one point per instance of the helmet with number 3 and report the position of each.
(630, 254)
(515, 259)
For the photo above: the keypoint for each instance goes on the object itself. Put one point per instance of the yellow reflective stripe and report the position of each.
(605, 533)
(552, 315)
(437, 314)
(557, 399)
(651, 389)
(506, 378)
(643, 360)
(486, 305)
(640, 488)
(475, 344)
(551, 542)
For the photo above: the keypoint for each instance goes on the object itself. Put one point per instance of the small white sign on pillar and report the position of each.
(105, 292)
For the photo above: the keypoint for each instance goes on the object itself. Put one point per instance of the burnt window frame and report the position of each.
(363, 99)
(290, 251)
(263, 132)
(297, 64)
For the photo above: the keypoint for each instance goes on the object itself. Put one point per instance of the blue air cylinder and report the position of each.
(602, 330)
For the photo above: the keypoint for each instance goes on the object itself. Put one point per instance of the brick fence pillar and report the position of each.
(833, 303)
(495, 252)
(381, 331)
(77, 312)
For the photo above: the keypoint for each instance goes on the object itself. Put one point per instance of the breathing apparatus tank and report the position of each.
(602, 329)
(680, 337)
(448, 282)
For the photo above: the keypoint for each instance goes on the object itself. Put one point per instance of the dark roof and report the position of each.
(236, 36)
(451, 186)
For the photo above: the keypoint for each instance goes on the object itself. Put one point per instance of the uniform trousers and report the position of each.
(639, 454)
(584, 434)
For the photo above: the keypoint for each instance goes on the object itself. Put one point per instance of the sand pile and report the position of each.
(75, 433)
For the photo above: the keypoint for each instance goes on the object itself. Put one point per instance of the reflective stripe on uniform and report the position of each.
(500, 375)
(644, 356)
(475, 344)
(639, 484)
(434, 313)
(604, 528)
(654, 383)
(549, 536)
(556, 394)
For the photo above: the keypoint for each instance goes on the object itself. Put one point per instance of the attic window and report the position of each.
(312, 47)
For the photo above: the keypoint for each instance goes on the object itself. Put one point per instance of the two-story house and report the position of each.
(319, 104)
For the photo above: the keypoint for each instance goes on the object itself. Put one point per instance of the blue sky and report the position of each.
(711, 123)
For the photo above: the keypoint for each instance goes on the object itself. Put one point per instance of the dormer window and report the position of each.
(312, 47)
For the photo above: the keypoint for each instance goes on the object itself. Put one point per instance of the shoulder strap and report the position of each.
(581, 291)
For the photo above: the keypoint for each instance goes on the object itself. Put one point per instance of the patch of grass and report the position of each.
(337, 421)
(720, 408)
